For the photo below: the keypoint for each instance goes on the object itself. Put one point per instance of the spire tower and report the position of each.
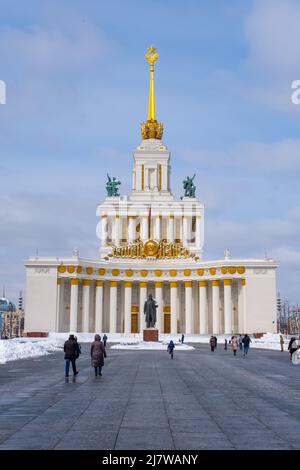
(152, 129)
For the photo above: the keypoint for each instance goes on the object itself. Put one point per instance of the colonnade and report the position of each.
(209, 306)
(116, 222)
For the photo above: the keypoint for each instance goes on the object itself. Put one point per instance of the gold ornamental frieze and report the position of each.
(151, 249)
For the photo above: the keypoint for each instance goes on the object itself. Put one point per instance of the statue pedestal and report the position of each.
(150, 334)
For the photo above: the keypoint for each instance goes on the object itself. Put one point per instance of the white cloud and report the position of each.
(272, 31)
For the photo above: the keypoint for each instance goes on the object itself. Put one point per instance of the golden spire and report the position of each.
(152, 129)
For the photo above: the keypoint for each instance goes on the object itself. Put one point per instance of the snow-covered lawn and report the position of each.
(21, 348)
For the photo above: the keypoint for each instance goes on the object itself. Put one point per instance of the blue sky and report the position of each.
(77, 86)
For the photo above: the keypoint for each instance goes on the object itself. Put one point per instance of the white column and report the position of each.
(227, 307)
(99, 307)
(86, 305)
(144, 229)
(133, 179)
(171, 228)
(74, 306)
(216, 306)
(244, 304)
(127, 307)
(173, 298)
(104, 231)
(188, 307)
(146, 181)
(157, 228)
(113, 307)
(159, 301)
(185, 235)
(164, 177)
(203, 327)
(198, 232)
(143, 298)
(116, 240)
(60, 303)
(131, 228)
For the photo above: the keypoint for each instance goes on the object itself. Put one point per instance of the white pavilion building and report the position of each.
(150, 243)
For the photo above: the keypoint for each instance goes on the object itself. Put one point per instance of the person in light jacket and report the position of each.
(234, 344)
(98, 354)
(281, 340)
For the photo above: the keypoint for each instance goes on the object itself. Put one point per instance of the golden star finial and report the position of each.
(152, 56)
(151, 50)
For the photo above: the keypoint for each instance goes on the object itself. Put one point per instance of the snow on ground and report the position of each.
(149, 345)
(21, 348)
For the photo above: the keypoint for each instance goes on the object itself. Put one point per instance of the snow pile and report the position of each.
(22, 348)
(270, 341)
(149, 345)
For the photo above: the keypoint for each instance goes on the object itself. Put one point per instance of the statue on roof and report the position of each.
(189, 187)
(112, 186)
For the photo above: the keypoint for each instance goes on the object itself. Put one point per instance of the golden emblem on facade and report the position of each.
(152, 249)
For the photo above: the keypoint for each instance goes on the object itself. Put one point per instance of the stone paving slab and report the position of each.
(200, 400)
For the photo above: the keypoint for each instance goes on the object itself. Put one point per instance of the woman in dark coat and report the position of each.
(98, 354)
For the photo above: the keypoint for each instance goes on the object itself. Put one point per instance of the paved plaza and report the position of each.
(144, 400)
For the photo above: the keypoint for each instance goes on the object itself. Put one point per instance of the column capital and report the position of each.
(128, 284)
(143, 284)
(188, 283)
(243, 281)
(158, 284)
(86, 282)
(58, 281)
(215, 283)
(113, 283)
(74, 282)
(173, 284)
(202, 283)
(99, 283)
(227, 282)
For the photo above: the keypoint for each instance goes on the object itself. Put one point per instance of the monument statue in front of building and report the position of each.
(189, 187)
(150, 307)
(112, 186)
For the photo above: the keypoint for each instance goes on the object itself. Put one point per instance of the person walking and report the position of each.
(98, 353)
(234, 344)
(225, 344)
(182, 338)
(216, 342)
(212, 343)
(171, 347)
(104, 339)
(71, 350)
(281, 340)
(292, 347)
(241, 342)
(246, 343)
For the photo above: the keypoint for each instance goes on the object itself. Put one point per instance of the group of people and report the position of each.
(72, 350)
(242, 343)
